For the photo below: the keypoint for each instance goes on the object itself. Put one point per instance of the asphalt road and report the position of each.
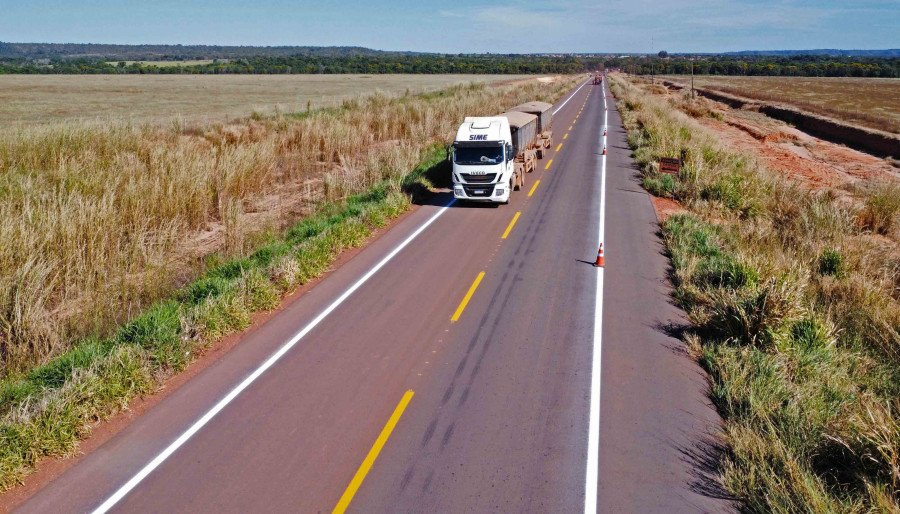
(385, 404)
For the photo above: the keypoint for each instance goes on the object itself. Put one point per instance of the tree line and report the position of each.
(805, 65)
(419, 64)
(768, 65)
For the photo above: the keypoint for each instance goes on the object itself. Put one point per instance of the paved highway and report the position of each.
(456, 364)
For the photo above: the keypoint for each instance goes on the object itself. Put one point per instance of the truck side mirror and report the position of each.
(450, 153)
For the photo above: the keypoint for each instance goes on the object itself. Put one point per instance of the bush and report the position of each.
(725, 271)
(755, 316)
(831, 263)
(660, 184)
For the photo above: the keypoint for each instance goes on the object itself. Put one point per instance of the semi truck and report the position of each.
(544, 113)
(492, 154)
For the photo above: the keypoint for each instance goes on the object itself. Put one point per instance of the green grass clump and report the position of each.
(796, 317)
(53, 425)
(660, 184)
(831, 263)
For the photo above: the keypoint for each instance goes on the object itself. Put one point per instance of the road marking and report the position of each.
(366, 465)
(566, 136)
(275, 357)
(570, 126)
(592, 472)
(465, 300)
(570, 97)
(511, 224)
(547, 166)
(536, 182)
(558, 147)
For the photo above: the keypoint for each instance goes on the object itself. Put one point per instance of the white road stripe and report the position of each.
(190, 432)
(570, 97)
(592, 473)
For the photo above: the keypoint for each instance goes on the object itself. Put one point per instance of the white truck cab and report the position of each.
(483, 160)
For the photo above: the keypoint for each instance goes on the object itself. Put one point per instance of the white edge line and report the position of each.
(592, 472)
(570, 97)
(211, 413)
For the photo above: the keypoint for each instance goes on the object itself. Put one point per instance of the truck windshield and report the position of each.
(478, 155)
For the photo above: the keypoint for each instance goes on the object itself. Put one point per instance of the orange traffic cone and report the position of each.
(604, 149)
(604, 131)
(600, 260)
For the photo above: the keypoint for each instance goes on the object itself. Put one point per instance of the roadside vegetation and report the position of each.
(794, 302)
(102, 296)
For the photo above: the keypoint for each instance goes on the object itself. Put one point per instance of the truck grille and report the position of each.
(478, 179)
(476, 191)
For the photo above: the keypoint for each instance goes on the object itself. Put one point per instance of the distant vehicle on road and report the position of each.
(492, 154)
(598, 79)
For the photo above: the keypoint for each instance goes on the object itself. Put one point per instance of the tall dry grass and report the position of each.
(794, 300)
(97, 221)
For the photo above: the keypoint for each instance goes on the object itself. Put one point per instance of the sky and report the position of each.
(461, 26)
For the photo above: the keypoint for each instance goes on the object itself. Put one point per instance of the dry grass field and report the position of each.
(871, 102)
(30, 99)
(97, 220)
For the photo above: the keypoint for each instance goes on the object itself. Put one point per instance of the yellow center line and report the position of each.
(566, 136)
(366, 465)
(536, 182)
(558, 147)
(511, 224)
(465, 300)
(547, 167)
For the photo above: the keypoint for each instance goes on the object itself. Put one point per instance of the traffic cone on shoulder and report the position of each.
(604, 149)
(604, 131)
(600, 260)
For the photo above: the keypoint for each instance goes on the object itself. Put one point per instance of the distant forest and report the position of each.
(170, 52)
(792, 66)
(41, 58)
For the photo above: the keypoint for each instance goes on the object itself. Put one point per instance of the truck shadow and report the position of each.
(438, 177)
(440, 193)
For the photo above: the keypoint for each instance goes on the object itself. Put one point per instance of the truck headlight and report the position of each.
(499, 191)
(458, 191)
